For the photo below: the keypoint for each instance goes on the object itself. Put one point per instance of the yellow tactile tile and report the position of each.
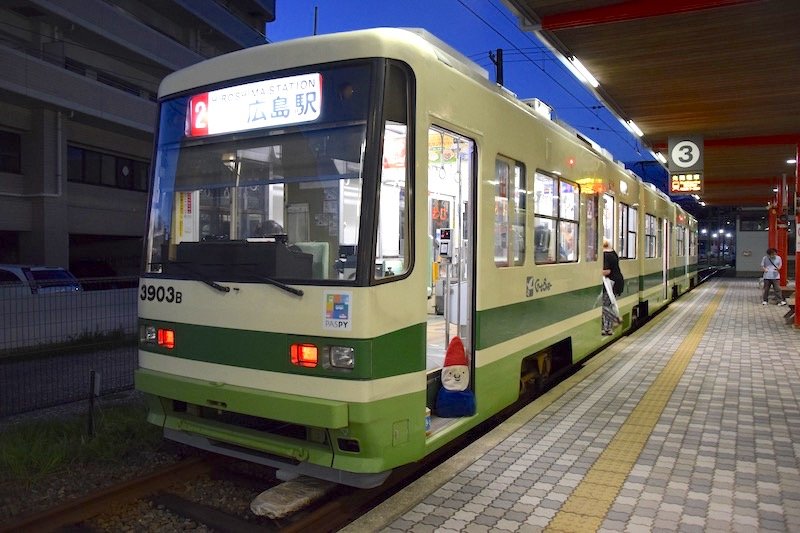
(610, 465)
(588, 504)
(574, 523)
(604, 478)
(593, 490)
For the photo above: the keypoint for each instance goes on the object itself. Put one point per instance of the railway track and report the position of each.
(173, 490)
(93, 504)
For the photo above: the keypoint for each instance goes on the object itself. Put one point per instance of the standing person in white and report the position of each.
(771, 265)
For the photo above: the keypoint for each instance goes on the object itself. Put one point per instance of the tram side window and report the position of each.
(509, 213)
(679, 240)
(649, 235)
(556, 220)
(628, 223)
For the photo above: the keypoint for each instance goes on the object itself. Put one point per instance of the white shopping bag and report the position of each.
(608, 285)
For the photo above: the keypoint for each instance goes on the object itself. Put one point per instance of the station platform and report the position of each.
(691, 423)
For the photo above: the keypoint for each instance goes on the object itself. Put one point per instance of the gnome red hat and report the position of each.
(455, 373)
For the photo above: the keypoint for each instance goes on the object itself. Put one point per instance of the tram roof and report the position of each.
(726, 70)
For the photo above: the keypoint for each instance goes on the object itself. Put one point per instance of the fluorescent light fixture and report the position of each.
(631, 127)
(703, 204)
(774, 189)
(695, 197)
(585, 75)
(635, 129)
(791, 161)
(659, 157)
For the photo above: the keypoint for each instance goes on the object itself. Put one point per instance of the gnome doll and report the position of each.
(454, 398)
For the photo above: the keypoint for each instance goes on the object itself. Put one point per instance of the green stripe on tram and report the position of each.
(510, 321)
(395, 353)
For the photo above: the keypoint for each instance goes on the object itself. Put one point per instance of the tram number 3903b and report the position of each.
(161, 294)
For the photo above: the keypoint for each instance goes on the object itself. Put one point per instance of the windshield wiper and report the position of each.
(210, 283)
(280, 285)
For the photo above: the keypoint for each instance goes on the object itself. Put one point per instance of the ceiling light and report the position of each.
(791, 161)
(635, 129)
(632, 127)
(585, 75)
(659, 156)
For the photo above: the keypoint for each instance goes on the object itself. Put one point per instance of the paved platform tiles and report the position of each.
(690, 424)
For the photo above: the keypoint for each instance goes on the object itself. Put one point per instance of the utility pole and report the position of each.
(498, 65)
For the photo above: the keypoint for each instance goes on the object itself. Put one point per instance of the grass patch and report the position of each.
(31, 451)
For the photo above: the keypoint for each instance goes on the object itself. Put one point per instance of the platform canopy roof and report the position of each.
(726, 70)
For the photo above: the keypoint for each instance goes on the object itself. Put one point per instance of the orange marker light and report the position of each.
(304, 355)
(166, 338)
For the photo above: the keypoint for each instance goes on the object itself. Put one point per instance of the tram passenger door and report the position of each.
(451, 174)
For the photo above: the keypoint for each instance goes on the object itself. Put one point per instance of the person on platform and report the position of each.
(613, 286)
(771, 266)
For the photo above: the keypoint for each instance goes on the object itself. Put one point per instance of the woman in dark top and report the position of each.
(611, 271)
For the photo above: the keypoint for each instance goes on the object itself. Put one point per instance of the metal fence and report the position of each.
(51, 343)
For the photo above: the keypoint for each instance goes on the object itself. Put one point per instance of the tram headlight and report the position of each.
(148, 334)
(342, 357)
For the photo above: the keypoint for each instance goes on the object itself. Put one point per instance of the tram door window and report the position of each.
(608, 218)
(591, 227)
(509, 213)
(451, 172)
(628, 228)
(649, 235)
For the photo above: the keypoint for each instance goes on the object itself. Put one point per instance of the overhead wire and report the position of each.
(544, 51)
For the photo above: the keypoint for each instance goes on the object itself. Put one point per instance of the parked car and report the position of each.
(38, 279)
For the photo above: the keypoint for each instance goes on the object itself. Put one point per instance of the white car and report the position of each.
(38, 279)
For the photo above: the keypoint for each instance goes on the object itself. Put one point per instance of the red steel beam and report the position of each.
(752, 200)
(630, 10)
(742, 182)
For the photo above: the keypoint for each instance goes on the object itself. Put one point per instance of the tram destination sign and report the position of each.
(261, 104)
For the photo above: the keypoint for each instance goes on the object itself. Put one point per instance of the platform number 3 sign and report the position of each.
(685, 154)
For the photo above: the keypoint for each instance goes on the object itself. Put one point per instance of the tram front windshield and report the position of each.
(262, 179)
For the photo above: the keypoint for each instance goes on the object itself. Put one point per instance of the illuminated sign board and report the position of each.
(689, 183)
(261, 104)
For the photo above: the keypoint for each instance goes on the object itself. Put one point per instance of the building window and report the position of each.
(10, 152)
(557, 213)
(650, 249)
(96, 168)
(509, 213)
